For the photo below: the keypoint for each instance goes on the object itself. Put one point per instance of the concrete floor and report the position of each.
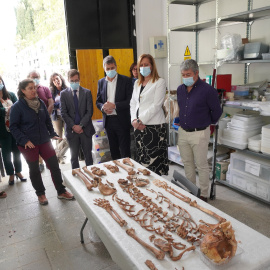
(47, 237)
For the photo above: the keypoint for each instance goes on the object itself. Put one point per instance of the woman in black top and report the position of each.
(8, 143)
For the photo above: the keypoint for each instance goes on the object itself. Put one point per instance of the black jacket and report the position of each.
(27, 125)
(123, 95)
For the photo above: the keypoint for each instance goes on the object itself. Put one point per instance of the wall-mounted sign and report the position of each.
(187, 54)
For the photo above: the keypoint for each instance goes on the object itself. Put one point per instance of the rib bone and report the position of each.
(158, 253)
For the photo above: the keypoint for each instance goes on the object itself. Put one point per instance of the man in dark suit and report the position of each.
(77, 111)
(113, 97)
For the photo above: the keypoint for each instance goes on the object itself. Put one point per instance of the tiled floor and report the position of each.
(48, 237)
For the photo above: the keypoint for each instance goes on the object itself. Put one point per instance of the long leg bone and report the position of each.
(128, 161)
(144, 171)
(91, 174)
(186, 199)
(158, 253)
(207, 211)
(106, 205)
(125, 167)
(83, 177)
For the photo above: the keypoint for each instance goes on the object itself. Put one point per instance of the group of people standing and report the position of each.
(29, 124)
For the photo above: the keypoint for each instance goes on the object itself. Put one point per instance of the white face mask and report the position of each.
(1, 86)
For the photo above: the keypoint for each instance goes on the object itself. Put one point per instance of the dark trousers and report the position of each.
(47, 152)
(119, 138)
(77, 141)
(9, 146)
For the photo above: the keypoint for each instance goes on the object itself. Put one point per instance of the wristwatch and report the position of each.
(81, 125)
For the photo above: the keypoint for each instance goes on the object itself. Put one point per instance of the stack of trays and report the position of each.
(254, 143)
(265, 144)
(241, 127)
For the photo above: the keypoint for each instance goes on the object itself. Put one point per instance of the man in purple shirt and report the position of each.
(43, 92)
(199, 107)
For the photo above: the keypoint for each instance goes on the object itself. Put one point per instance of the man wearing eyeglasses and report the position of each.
(77, 111)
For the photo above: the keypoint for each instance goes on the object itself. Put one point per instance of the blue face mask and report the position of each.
(145, 71)
(75, 85)
(188, 81)
(111, 73)
(1, 86)
(36, 80)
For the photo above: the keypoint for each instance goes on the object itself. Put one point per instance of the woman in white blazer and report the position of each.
(147, 117)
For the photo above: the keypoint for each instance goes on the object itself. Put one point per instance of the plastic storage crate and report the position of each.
(174, 155)
(250, 184)
(251, 165)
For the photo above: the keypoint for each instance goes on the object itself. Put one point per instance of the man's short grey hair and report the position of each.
(33, 71)
(189, 64)
(108, 60)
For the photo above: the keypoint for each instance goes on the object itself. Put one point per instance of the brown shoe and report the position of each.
(42, 200)
(66, 195)
(203, 198)
(3, 194)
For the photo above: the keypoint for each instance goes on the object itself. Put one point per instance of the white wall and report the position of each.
(151, 20)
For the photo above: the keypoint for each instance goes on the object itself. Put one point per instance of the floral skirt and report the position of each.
(152, 149)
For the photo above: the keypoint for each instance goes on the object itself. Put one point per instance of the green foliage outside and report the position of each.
(43, 20)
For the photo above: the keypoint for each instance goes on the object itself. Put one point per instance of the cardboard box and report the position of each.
(221, 170)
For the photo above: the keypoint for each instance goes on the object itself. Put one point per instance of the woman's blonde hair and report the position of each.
(154, 72)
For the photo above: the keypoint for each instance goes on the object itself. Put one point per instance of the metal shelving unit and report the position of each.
(244, 151)
(247, 17)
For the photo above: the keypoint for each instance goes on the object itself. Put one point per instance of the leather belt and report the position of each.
(114, 115)
(194, 129)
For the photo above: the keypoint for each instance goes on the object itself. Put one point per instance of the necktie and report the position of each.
(76, 103)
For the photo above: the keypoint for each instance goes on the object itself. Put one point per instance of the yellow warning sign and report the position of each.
(187, 52)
